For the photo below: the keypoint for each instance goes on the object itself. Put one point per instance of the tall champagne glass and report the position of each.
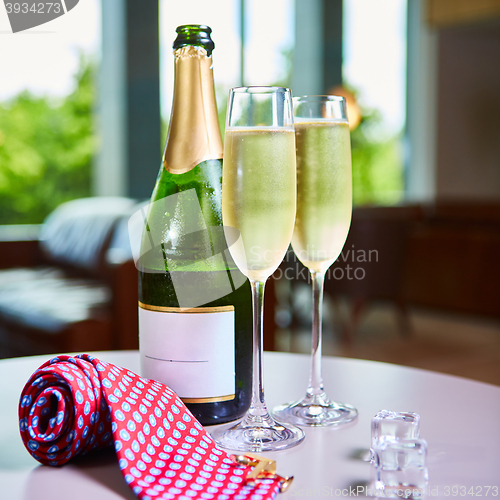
(324, 207)
(259, 203)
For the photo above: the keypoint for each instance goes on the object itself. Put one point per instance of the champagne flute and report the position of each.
(324, 207)
(259, 203)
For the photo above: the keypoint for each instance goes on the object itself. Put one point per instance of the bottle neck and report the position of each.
(194, 134)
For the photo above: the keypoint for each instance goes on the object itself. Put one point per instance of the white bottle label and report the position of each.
(190, 350)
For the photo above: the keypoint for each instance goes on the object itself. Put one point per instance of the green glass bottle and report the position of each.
(195, 318)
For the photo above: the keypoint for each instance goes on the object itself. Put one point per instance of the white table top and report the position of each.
(459, 420)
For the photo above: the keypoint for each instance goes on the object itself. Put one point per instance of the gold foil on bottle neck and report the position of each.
(194, 134)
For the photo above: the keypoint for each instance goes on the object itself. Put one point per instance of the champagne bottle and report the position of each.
(195, 315)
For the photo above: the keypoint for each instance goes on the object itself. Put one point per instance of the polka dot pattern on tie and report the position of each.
(73, 405)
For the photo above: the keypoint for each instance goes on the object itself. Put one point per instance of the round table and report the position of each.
(459, 420)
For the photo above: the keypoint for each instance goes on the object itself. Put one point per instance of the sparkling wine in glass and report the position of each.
(324, 207)
(259, 203)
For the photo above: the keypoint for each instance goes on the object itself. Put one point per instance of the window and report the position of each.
(268, 40)
(223, 18)
(374, 66)
(47, 92)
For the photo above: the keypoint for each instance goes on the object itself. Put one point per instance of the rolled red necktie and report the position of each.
(72, 405)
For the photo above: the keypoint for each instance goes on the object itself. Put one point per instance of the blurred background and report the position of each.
(84, 111)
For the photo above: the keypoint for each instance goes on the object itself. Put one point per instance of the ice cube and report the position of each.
(395, 425)
(399, 468)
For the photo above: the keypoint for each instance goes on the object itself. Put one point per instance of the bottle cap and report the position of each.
(194, 34)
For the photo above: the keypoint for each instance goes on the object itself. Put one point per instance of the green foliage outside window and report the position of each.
(46, 150)
(377, 163)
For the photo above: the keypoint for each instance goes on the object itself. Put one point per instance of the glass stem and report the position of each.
(258, 406)
(316, 381)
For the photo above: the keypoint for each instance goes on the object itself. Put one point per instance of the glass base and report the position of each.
(316, 410)
(257, 434)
